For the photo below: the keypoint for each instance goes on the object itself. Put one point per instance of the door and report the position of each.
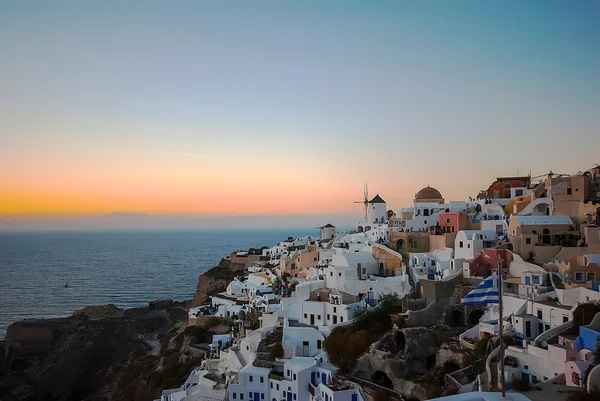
(324, 378)
(312, 320)
(313, 378)
(525, 378)
(305, 348)
(289, 396)
(334, 319)
(540, 328)
(354, 397)
(256, 396)
(590, 277)
(527, 329)
(527, 280)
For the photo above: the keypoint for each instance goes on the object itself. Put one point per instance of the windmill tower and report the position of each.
(365, 203)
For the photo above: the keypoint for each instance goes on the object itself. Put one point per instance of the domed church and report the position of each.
(429, 195)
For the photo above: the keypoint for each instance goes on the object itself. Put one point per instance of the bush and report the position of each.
(199, 334)
(277, 350)
(212, 322)
(380, 395)
(583, 396)
(519, 385)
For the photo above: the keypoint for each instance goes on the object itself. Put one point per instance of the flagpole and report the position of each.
(501, 326)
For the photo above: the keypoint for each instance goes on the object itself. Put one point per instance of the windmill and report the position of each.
(365, 202)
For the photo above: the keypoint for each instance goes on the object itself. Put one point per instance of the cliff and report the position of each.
(113, 355)
(216, 280)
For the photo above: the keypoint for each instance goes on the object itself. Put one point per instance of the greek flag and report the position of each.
(485, 293)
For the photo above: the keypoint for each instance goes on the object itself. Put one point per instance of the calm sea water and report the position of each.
(124, 268)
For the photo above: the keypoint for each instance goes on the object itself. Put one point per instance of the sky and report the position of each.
(189, 113)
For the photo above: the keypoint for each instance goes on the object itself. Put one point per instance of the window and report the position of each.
(318, 344)
(288, 373)
(294, 377)
(271, 384)
(569, 191)
(334, 309)
(578, 276)
(328, 316)
(414, 244)
(525, 367)
(251, 378)
(294, 396)
(447, 221)
(565, 319)
(262, 396)
(241, 396)
(340, 274)
(341, 319)
(277, 386)
(234, 396)
(331, 274)
(306, 315)
(425, 221)
(469, 246)
(460, 244)
(318, 317)
(539, 314)
(262, 379)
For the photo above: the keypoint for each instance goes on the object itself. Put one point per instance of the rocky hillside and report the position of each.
(216, 280)
(100, 353)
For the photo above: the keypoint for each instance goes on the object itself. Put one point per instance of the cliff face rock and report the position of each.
(100, 358)
(398, 359)
(216, 280)
(109, 310)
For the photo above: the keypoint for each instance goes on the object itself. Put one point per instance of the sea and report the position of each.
(51, 274)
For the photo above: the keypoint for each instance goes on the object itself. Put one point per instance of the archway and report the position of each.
(401, 245)
(474, 316)
(546, 237)
(400, 341)
(431, 361)
(382, 379)
(455, 318)
(359, 229)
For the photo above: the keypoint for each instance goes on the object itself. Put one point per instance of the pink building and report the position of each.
(453, 222)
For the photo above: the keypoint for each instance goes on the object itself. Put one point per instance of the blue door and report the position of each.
(354, 397)
(289, 396)
(324, 378)
(256, 396)
(313, 378)
(525, 378)
(527, 280)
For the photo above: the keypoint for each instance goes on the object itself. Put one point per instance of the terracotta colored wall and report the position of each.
(390, 262)
(498, 185)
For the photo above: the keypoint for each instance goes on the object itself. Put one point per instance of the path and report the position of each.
(152, 338)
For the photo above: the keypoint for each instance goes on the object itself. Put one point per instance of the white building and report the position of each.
(469, 243)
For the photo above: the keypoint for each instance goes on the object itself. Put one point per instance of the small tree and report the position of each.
(277, 350)
(519, 385)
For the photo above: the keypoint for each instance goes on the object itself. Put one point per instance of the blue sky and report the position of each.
(400, 94)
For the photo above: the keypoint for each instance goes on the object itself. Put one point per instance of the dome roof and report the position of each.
(428, 193)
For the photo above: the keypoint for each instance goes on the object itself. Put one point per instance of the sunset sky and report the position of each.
(166, 112)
